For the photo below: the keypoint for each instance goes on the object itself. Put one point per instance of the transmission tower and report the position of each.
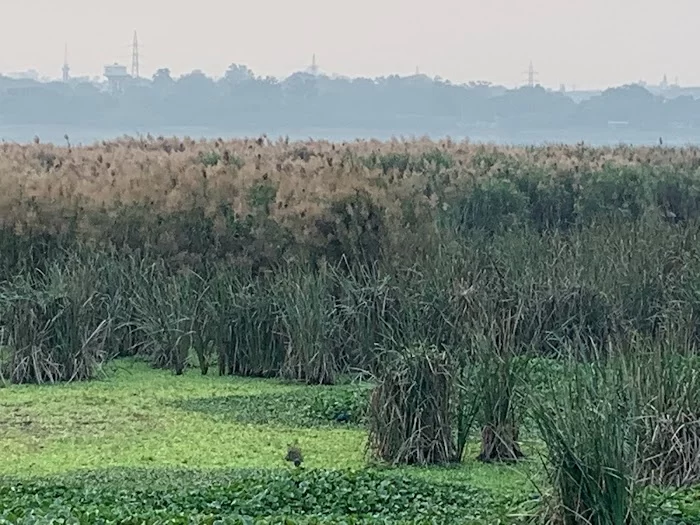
(66, 67)
(313, 68)
(531, 76)
(135, 57)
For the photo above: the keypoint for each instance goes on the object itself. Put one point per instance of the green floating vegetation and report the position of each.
(256, 496)
(307, 407)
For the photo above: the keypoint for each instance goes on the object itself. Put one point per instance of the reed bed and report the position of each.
(438, 269)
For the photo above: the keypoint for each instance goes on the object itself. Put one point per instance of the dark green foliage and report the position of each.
(209, 159)
(194, 238)
(434, 161)
(671, 507)
(613, 194)
(551, 200)
(665, 378)
(389, 161)
(506, 193)
(310, 407)
(261, 196)
(214, 158)
(677, 195)
(235, 497)
(28, 251)
(427, 301)
(563, 319)
(363, 305)
(498, 378)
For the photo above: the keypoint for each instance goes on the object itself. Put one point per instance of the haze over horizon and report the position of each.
(592, 46)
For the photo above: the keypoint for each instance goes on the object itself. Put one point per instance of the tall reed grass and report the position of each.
(586, 425)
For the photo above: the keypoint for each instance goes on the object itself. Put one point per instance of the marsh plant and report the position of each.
(244, 324)
(665, 380)
(307, 312)
(414, 417)
(169, 312)
(591, 457)
(55, 326)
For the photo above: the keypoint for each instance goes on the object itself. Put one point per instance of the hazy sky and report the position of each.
(587, 43)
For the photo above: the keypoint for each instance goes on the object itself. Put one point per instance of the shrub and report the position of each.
(551, 199)
(209, 159)
(613, 194)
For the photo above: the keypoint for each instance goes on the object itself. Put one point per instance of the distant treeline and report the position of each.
(241, 100)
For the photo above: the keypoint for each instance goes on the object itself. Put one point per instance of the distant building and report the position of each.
(117, 77)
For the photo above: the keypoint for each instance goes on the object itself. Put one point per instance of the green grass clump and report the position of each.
(590, 449)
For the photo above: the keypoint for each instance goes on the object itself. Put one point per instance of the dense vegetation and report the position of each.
(466, 291)
(244, 102)
(186, 496)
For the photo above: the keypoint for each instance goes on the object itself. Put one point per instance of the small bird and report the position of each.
(343, 417)
(294, 454)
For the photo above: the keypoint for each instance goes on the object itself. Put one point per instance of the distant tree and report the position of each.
(162, 79)
(413, 104)
(237, 74)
